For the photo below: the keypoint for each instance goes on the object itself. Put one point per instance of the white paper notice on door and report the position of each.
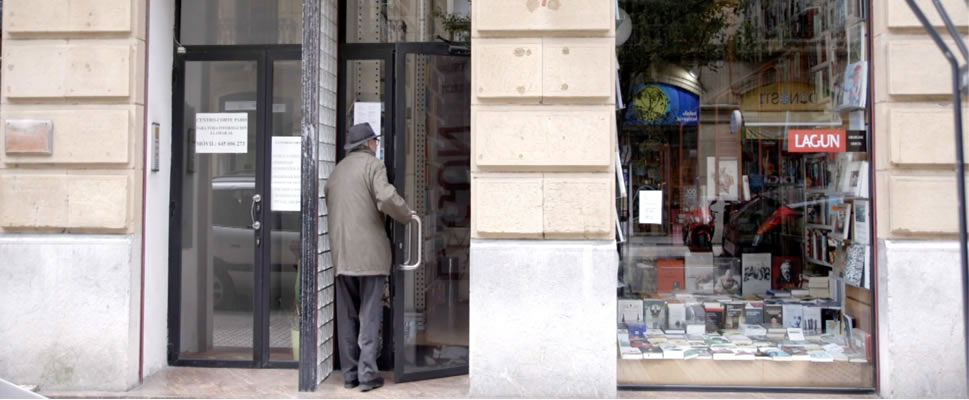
(368, 112)
(221, 133)
(651, 207)
(285, 184)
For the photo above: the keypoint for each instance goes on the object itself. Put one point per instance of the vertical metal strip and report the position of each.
(309, 198)
(419, 118)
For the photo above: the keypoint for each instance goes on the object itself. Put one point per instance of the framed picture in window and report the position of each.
(856, 37)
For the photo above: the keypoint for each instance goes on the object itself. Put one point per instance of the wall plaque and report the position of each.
(29, 136)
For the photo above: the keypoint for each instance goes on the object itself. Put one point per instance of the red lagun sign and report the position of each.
(816, 141)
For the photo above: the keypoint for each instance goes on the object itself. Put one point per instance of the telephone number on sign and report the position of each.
(223, 143)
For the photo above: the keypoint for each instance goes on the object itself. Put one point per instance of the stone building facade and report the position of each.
(84, 220)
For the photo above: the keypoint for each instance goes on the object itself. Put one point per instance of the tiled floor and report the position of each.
(184, 382)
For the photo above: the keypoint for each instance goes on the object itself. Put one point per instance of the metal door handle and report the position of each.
(420, 244)
(254, 210)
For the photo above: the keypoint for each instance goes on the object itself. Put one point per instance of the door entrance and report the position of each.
(419, 94)
(234, 276)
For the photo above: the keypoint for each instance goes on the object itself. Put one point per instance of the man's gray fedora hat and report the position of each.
(359, 134)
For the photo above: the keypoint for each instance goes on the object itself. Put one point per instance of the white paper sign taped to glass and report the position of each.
(651, 207)
(221, 132)
(285, 178)
(369, 112)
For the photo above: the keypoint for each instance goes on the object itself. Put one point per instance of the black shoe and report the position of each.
(351, 384)
(368, 386)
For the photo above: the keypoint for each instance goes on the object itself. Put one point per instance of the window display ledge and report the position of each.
(757, 373)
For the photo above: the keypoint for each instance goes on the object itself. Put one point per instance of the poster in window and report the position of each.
(727, 178)
(855, 91)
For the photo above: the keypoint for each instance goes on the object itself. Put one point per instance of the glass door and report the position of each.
(365, 93)
(432, 143)
(234, 244)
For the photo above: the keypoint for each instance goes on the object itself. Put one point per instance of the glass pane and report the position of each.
(242, 22)
(438, 186)
(407, 21)
(366, 98)
(285, 250)
(217, 238)
(745, 157)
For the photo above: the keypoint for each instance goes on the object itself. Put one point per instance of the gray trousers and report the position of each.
(358, 313)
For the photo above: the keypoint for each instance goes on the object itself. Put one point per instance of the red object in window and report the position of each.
(670, 275)
(779, 215)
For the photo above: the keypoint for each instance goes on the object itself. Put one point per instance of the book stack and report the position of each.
(786, 324)
(819, 287)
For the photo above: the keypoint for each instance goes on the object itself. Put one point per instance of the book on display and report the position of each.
(654, 313)
(630, 311)
(733, 314)
(756, 273)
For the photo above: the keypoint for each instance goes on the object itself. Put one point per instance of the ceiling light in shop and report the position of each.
(624, 28)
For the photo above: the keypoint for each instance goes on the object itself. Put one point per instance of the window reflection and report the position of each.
(743, 140)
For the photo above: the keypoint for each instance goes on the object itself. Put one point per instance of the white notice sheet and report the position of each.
(285, 184)
(221, 133)
(651, 207)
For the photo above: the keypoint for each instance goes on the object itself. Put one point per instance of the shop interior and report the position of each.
(743, 199)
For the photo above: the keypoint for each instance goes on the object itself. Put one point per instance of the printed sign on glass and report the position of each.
(816, 141)
(285, 178)
(221, 132)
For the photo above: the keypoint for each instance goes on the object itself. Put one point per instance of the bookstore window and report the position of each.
(744, 208)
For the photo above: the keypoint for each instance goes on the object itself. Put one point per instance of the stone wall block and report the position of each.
(901, 16)
(83, 16)
(99, 71)
(84, 284)
(917, 67)
(506, 206)
(923, 135)
(34, 16)
(507, 69)
(504, 16)
(101, 15)
(98, 201)
(33, 201)
(579, 68)
(923, 205)
(579, 206)
(80, 135)
(927, 270)
(34, 70)
(543, 137)
(530, 299)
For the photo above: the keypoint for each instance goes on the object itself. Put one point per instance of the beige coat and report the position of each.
(356, 194)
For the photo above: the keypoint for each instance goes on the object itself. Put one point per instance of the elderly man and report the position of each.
(357, 196)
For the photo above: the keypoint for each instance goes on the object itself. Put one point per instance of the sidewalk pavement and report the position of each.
(186, 382)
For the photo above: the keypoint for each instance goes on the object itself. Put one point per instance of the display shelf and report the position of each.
(813, 260)
(819, 226)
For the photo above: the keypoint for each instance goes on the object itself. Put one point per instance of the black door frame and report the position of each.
(264, 56)
(402, 50)
(394, 57)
